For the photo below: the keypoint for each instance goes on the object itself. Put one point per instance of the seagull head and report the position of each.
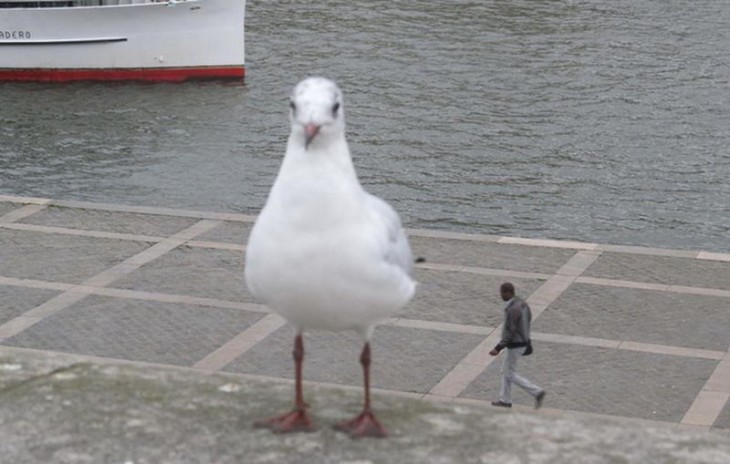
(316, 111)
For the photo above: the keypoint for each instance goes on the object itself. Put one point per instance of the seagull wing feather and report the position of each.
(396, 249)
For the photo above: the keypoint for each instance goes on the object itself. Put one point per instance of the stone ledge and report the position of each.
(65, 409)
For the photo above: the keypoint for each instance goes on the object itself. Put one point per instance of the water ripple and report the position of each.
(574, 119)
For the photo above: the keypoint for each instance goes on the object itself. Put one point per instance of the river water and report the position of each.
(600, 121)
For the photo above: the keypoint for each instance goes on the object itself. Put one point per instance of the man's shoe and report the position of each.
(501, 404)
(538, 399)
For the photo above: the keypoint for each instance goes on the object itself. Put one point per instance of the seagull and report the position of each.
(324, 253)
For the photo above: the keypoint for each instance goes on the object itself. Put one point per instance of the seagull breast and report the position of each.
(323, 252)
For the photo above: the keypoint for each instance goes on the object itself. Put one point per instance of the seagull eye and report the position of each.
(292, 106)
(335, 107)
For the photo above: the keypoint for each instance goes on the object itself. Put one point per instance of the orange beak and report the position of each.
(310, 132)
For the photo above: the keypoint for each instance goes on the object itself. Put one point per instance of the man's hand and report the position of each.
(494, 352)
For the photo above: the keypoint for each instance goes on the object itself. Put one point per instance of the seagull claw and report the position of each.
(364, 425)
(295, 421)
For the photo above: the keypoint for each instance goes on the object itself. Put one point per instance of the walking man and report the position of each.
(516, 339)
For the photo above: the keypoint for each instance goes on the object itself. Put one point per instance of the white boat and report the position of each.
(154, 40)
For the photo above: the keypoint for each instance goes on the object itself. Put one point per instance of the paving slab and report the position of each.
(6, 207)
(645, 316)
(461, 297)
(490, 255)
(109, 221)
(404, 359)
(229, 232)
(68, 410)
(662, 269)
(723, 420)
(604, 381)
(14, 301)
(136, 330)
(208, 273)
(60, 258)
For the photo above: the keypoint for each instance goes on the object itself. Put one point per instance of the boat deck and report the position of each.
(620, 331)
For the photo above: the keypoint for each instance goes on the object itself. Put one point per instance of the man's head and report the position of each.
(507, 291)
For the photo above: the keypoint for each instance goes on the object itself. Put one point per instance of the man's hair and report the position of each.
(507, 287)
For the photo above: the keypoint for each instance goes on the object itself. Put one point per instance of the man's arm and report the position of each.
(511, 323)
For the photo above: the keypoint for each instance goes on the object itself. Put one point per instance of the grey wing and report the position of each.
(396, 250)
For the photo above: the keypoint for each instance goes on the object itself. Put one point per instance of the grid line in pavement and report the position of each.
(474, 363)
(20, 213)
(68, 298)
(241, 343)
(707, 406)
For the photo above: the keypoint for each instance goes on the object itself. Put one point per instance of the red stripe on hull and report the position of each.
(139, 74)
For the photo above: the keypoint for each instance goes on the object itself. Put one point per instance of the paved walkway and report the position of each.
(62, 409)
(621, 331)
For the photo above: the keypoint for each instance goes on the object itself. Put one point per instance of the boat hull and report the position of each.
(160, 41)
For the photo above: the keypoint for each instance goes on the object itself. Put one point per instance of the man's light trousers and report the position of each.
(510, 376)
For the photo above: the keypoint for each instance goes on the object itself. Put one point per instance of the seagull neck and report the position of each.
(332, 157)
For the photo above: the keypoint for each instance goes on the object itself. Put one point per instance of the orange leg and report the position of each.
(297, 420)
(365, 424)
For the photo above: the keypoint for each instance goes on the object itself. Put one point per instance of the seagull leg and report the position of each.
(365, 424)
(298, 420)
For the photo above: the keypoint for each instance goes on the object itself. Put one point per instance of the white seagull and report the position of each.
(324, 253)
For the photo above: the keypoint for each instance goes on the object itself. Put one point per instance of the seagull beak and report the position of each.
(310, 131)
